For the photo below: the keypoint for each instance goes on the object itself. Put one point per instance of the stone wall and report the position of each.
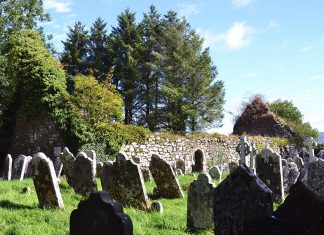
(37, 135)
(184, 153)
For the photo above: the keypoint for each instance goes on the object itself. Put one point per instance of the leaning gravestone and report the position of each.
(303, 209)
(84, 174)
(106, 176)
(240, 196)
(290, 175)
(314, 179)
(45, 182)
(200, 214)
(127, 184)
(164, 177)
(68, 161)
(99, 214)
(20, 166)
(7, 171)
(215, 173)
(269, 170)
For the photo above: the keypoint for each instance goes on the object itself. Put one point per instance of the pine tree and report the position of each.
(99, 59)
(125, 39)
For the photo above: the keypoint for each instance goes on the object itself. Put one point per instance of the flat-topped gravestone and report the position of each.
(128, 184)
(84, 174)
(68, 161)
(167, 184)
(20, 166)
(200, 207)
(290, 175)
(45, 182)
(7, 171)
(314, 179)
(99, 214)
(106, 176)
(215, 172)
(303, 209)
(240, 196)
(269, 170)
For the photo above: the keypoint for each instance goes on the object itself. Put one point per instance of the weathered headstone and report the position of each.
(243, 148)
(29, 170)
(240, 196)
(269, 170)
(303, 209)
(58, 166)
(99, 214)
(106, 176)
(20, 166)
(45, 182)
(314, 179)
(299, 161)
(232, 166)
(268, 225)
(290, 175)
(157, 207)
(92, 155)
(253, 153)
(128, 184)
(200, 207)
(7, 171)
(321, 154)
(311, 144)
(84, 174)
(68, 161)
(164, 177)
(215, 173)
(99, 169)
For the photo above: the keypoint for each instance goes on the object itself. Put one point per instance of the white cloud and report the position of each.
(241, 3)
(316, 77)
(187, 10)
(58, 5)
(272, 24)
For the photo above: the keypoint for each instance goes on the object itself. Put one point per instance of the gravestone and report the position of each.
(20, 166)
(215, 173)
(99, 214)
(68, 161)
(290, 175)
(58, 166)
(243, 148)
(321, 154)
(45, 182)
(167, 184)
(200, 214)
(303, 209)
(91, 154)
(232, 166)
(311, 144)
(299, 161)
(269, 170)
(7, 171)
(146, 174)
(106, 176)
(127, 184)
(157, 207)
(267, 225)
(99, 169)
(29, 170)
(84, 174)
(314, 179)
(253, 153)
(240, 196)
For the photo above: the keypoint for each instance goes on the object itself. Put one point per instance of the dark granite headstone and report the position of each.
(303, 209)
(100, 215)
(241, 195)
(267, 225)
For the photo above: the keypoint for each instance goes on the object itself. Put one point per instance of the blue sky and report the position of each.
(274, 48)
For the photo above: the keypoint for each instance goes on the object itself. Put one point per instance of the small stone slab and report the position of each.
(157, 207)
(215, 172)
(106, 176)
(45, 182)
(290, 175)
(99, 214)
(200, 211)
(99, 169)
(240, 196)
(269, 170)
(84, 174)
(146, 174)
(314, 179)
(20, 166)
(128, 184)
(68, 161)
(267, 225)
(164, 177)
(7, 171)
(303, 209)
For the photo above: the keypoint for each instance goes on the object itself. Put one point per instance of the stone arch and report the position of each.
(198, 161)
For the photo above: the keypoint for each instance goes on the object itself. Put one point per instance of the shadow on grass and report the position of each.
(11, 205)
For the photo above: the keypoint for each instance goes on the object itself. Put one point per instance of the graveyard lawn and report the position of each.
(19, 212)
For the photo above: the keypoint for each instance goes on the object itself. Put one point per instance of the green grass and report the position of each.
(19, 213)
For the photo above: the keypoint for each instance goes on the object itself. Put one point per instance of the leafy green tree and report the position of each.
(99, 58)
(74, 56)
(125, 38)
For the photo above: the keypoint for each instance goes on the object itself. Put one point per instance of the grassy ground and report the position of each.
(19, 213)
